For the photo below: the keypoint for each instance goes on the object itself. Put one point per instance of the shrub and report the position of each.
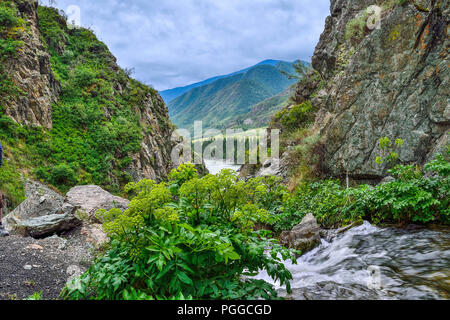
(356, 28)
(198, 242)
(63, 175)
(411, 197)
(8, 17)
(298, 116)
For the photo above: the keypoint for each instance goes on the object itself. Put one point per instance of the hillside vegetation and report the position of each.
(218, 103)
(98, 120)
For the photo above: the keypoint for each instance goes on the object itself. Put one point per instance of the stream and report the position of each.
(369, 263)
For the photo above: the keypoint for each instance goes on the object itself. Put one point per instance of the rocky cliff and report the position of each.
(31, 72)
(380, 72)
(64, 100)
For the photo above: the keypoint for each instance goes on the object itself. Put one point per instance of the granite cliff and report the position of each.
(379, 71)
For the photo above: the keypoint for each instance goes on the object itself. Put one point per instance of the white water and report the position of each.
(214, 166)
(412, 264)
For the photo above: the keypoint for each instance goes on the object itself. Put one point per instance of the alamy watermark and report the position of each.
(374, 19)
(235, 145)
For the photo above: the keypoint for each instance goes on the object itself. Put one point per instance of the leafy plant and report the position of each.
(196, 241)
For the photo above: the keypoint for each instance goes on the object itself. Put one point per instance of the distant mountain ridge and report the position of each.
(171, 94)
(219, 102)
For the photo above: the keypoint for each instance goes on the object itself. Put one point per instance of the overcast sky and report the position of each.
(173, 43)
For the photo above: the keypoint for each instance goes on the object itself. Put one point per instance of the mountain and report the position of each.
(366, 85)
(70, 115)
(217, 103)
(171, 94)
(261, 113)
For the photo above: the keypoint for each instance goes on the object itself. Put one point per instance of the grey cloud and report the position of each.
(172, 43)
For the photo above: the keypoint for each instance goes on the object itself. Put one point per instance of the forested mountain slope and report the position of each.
(69, 114)
(218, 103)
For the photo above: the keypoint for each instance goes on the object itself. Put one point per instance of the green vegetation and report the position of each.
(356, 28)
(191, 238)
(96, 127)
(414, 196)
(195, 238)
(294, 117)
(388, 150)
(222, 101)
(11, 27)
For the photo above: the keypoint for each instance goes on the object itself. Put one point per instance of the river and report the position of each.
(368, 262)
(214, 166)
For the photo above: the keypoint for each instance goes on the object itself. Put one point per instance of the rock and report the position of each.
(270, 167)
(31, 72)
(44, 226)
(94, 234)
(329, 235)
(89, 199)
(391, 81)
(304, 236)
(387, 179)
(34, 247)
(40, 201)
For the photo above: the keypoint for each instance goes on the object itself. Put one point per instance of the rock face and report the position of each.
(304, 236)
(391, 81)
(89, 199)
(31, 72)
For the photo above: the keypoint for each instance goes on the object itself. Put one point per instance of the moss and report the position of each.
(356, 28)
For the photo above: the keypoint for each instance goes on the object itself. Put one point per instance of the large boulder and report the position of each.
(41, 201)
(304, 236)
(45, 212)
(89, 199)
(44, 226)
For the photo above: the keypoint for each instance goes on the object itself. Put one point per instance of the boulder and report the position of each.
(89, 199)
(44, 226)
(41, 201)
(304, 236)
(270, 167)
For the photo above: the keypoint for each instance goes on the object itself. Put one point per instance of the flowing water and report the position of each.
(214, 166)
(368, 262)
(372, 263)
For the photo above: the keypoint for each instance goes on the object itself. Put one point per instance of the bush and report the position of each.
(63, 175)
(8, 17)
(411, 197)
(198, 242)
(298, 116)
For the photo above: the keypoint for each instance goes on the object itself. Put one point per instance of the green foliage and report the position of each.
(415, 195)
(389, 150)
(224, 99)
(35, 296)
(96, 128)
(355, 28)
(298, 116)
(197, 241)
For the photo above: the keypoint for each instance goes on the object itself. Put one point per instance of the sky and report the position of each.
(171, 43)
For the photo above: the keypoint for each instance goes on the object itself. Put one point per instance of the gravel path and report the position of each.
(29, 266)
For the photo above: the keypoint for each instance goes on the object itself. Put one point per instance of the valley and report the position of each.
(350, 200)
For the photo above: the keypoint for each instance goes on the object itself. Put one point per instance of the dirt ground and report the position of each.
(29, 266)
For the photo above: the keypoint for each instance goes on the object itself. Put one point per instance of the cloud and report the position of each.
(173, 43)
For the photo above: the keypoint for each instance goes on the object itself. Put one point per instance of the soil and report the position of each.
(29, 266)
